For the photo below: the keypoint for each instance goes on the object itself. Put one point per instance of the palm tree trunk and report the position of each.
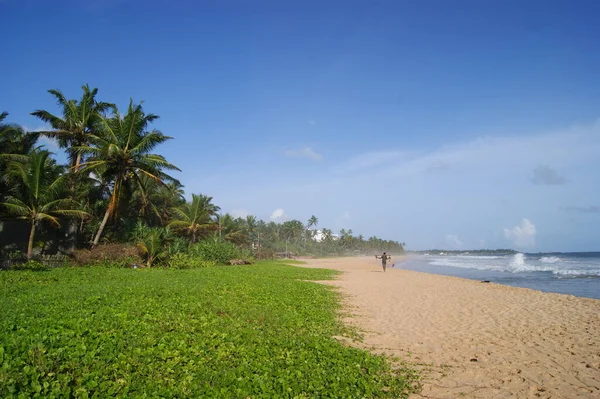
(77, 163)
(111, 206)
(101, 228)
(30, 244)
(72, 229)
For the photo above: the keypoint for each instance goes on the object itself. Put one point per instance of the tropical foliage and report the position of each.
(76, 125)
(37, 191)
(117, 188)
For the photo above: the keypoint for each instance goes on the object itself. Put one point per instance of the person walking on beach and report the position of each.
(384, 258)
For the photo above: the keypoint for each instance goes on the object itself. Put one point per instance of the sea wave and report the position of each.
(520, 263)
(577, 273)
(516, 264)
(463, 265)
(517, 260)
(550, 259)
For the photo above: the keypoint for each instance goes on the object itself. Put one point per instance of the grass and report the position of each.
(258, 331)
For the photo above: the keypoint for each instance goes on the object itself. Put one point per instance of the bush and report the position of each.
(153, 244)
(31, 265)
(219, 252)
(187, 261)
(110, 255)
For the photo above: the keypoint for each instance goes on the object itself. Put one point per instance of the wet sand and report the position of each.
(472, 339)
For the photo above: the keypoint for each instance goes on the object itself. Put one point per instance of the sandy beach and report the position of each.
(472, 339)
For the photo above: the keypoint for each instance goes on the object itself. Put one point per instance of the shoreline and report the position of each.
(473, 339)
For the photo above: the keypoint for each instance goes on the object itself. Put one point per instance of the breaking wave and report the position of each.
(550, 259)
(520, 263)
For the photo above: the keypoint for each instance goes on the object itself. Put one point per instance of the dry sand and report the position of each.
(472, 339)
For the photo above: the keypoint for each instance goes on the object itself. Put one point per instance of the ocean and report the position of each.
(575, 273)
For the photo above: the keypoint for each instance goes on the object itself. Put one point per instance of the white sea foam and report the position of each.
(517, 263)
(520, 263)
(463, 265)
(550, 259)
(517, 260)
(571, 273)
(576, 273)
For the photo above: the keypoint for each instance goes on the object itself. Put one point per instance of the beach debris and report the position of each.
(474, 359)
(485, 281)
(238, 262)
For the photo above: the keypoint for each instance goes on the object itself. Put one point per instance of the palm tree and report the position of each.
(194, 219)
(153, 243)
(292, 230)
(38, 191)
(14, 139)
(250, 226)
(120, 154)
(231, 229)
(313, 221)
(152, 201)
(74, 128)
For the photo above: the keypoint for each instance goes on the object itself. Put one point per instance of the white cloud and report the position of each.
(522, 235)
(50, 143)
(239, 213)
(490, 155)
(453, 241)
(305, 152)
(277, 214)
(582, 209)
(544, 174)
(370, 160)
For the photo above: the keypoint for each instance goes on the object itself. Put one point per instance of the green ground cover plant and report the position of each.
(260, 331)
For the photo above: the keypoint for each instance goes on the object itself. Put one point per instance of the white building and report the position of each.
(318, 236)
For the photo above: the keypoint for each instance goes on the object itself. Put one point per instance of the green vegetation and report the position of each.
(260, 331)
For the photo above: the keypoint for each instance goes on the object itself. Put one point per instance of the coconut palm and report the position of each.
(14, 139)
(313, 221)
(153, 243)
(152, 201)
(37, 191)
(292, 230)
(74, 128)
(250, 227)
(119, 153)
(196, 218)
(231, 229)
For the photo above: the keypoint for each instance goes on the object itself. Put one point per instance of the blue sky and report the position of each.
(461, 124)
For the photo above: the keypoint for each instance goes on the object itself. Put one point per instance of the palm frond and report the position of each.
(54, 121)
(15, 208)
(74, 213)
(47, 218)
